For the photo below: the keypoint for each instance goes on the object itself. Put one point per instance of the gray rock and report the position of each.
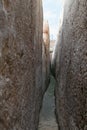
(71, 68)
(56, 53)
(20, 64)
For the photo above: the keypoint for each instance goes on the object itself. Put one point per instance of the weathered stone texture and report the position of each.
(56, 53)
(71, 68)
(46, 54)
(20, 64)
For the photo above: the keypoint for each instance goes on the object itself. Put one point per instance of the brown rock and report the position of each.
(71, 68)
(20, 64)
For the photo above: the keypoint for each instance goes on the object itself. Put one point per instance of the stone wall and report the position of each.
(20, 64)
(56, 53)
(46, 54)
(71, 68)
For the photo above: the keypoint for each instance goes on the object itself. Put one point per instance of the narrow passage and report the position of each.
(47, 115)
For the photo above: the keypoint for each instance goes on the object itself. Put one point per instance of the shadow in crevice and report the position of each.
(47, 114)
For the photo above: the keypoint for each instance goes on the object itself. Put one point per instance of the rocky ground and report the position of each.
(47, 115)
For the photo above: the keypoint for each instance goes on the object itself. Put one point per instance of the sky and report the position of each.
(52, 10)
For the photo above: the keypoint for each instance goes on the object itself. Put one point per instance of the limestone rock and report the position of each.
(71, 68)
(20, 64)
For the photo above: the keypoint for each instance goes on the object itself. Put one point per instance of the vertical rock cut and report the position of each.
(46, 54)
(70, 67)
(21, 29)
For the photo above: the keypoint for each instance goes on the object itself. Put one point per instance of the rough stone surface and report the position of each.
(20, 64)
(71, 68)
(56, 53)
(46, 54)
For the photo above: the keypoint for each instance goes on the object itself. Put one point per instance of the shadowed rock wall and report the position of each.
(56, 53)
(70, 67)
(46, 54)
(21, 29)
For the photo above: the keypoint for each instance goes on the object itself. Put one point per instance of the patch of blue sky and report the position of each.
(52, 10)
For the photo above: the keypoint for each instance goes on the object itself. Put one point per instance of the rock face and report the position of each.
(56, 53)
(20, 64)
(71, 68)
(46, 54)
